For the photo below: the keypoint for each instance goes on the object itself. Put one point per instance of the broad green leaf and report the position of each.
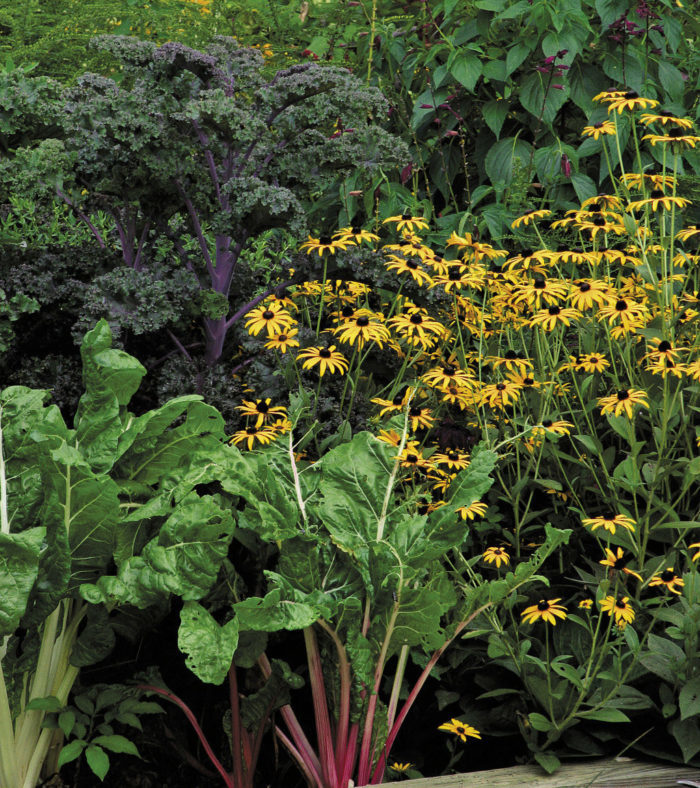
(208, 646)
(502, 157)
(66, 721)
(539, 722)
(19, 568)
(605, 715)
(540, 102)
(548, 761)
(96, 640)
(272, 613)
(689, 699)
(274, 694)
(50, 704)
(466, 69)
(687, 735)
(584, 186)
(71, 751)
(183, 559)
(515, 56)
(494, 113)
(111, 377)
(671, 80)
(116, 743)
(98, 760)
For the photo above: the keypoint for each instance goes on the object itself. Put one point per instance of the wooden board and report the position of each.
(608, 773)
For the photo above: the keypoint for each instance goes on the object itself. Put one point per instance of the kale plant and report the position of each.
(212, 138)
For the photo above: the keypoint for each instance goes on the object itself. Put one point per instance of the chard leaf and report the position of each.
(209, 646)
(19, 567)
(111, 378)
(183, 559)
(257, 707)
(273, 613)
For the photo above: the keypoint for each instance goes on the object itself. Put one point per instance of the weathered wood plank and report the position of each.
(608, 773)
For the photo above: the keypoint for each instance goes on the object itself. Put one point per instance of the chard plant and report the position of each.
(360, 573)
(71, 501)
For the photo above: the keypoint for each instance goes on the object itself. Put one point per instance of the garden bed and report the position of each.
(607, 773)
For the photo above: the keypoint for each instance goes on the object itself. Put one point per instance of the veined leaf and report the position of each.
(209, 646)
(19, 567)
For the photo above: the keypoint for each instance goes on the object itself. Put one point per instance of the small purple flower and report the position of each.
(565, 166)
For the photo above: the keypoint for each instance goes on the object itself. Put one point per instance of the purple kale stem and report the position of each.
(252, 304)
(140, 246)
(204, 142)
(83, 218)
(197, 228)
(179, 345)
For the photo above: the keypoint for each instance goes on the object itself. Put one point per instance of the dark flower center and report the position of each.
(268, 314)
(547, 423)
(620, 604)
(622, 395)
(451, 455)
(281, 337)
(405, 216)
(324, 353)
(664, 346)
(510, 355)
(543, 605)
(621, 305)
(262, 407)
(584, 287)
(412, 264)
(539, 283)
(454, 275)
(667, 576)
(500, 386)
(414, 412)
(594, 359)
(620, 563)
(554, 310)
(362, 321)
(676, 133)
(595, 206)
(599, 221)
(416, 320)
(347, 311)
(608, 517)
(326, 240)
(666, 113)
(398, 399)
(598, 125)
(631, 94)
(412, 458)
(526, 252)
(656, 194)
(449, 370)
(251, 430)
(528, 381)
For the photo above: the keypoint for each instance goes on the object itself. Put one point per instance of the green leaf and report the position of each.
(19, 568)
(515, 10)
(209, 647)
(71, 751)
(272, 613)
(687, 735)
(538, 103)
(548, 761)
(466, 69)
(605, 715)
(98, 760)
(274, 694)
(494, 113)
(501, 158)
(584, 186)
(671, 80)
(96, 640)
(50, 704)
(111, 378)
(539, 722)
(66, 721)
(515, 56)
(183, 559)
(689, 699)
(116, 743)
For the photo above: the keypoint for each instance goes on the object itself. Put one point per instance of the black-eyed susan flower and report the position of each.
(271, 317)
(624, 401)
(325, 244)
(395, 405)
(512, 360)
(451, 459)
(618, 561)
(624, 312)
(356, 234)
(558, 427)
(619, 608)
(656, 180)
(665, 367)
(602, 202)
(283, 341)
(407, 222)
(412, 266)
(609, 522)
(540, 290)
(251, 435)
(587, 293)
(608, 95)
(555, 315)
(460, 729)
(665, 117)
(420, 417)
(412, 458)
(595, 130)
(328, 359)
(447, 375)
(687, 232)
(592, 362)
(585, 604)
(630, 100)
(677, 138)
(496, 555)
(657, 199)
(695, 546)
(530, 216)
(669, 579)
(362, 329)
(261, 410)
(501, 394)
(400, 768)
(389, 436)
(474, 510)
(546, 609)
(417, 328)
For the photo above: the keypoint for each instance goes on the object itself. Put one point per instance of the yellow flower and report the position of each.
(283, 341)
(261, 410)
(460, 729)
(327, 359)
(546, 609)
(618, 562)
(585, 604)
(669, 579)
(610, 522)
(529, 216)
(596, 129)
(496, 555)
(325, 244)
(272, 317)
(619, 608)
(250, 435)
(407, 221)
(476, 509)
(623, 402)
(400, 767)
(630, 100)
